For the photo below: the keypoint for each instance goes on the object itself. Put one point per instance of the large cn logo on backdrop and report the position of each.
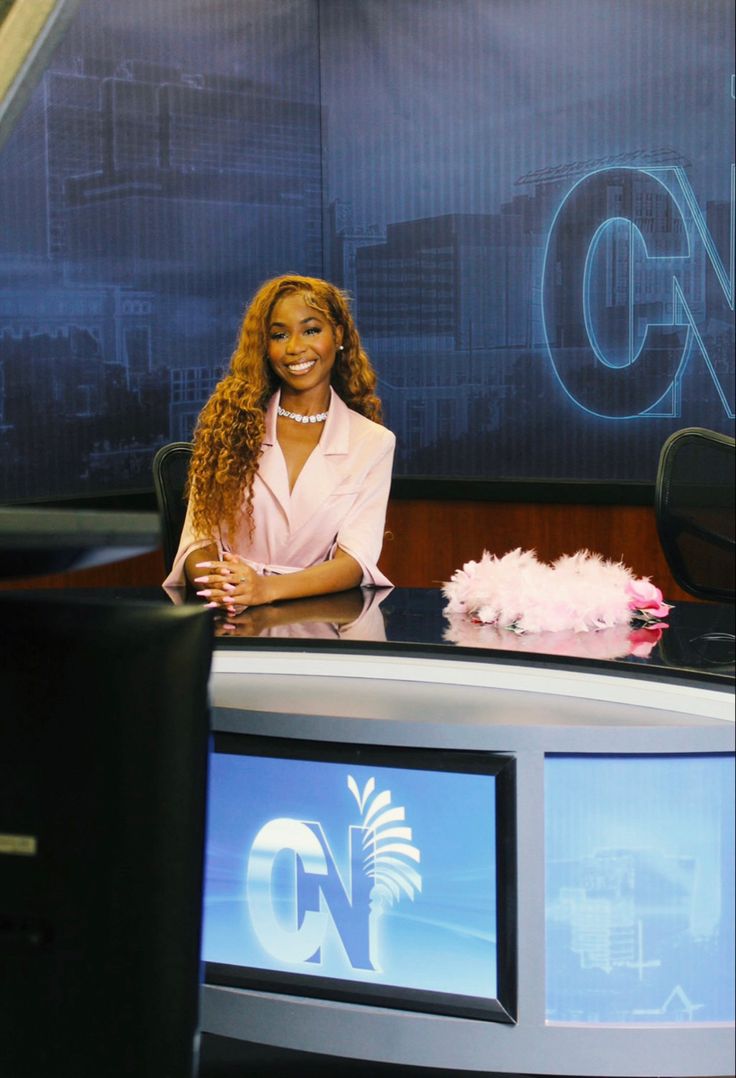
(296, 893)
(632, 279)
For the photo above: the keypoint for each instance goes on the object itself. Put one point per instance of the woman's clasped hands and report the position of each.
(230, 584)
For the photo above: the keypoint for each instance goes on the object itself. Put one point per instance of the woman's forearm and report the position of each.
(232, 583)
(202, 553)
(339, 574)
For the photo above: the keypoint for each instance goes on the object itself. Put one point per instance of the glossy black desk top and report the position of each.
(697, 645)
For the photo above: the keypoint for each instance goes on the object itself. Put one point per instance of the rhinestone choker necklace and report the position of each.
(320, 417)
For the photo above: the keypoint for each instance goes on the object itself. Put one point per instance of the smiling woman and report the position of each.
(303, 346)
(291, 468)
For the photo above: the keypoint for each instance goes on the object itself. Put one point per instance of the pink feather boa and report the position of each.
(577, 593)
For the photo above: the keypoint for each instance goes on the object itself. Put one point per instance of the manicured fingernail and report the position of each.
(201, 580)
(204, 564)
(228, 587)
(211, 606)
(205, 593)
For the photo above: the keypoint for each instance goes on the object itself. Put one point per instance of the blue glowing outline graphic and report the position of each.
(694, 333)
(679, 307)
(681, 313)
(587, 271)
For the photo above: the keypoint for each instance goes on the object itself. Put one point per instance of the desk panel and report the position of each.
(537, 711)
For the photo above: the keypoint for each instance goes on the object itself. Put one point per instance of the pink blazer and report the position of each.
(339, 499)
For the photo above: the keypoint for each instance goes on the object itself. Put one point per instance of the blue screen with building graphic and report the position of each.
(640, 889)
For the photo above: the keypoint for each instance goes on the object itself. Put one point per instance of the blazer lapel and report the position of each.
(271, 464)
(325, 469)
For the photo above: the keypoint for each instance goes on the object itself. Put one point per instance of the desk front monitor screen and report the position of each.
(382, 876)
(640, 889)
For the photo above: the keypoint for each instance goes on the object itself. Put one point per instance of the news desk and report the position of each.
(434, 844)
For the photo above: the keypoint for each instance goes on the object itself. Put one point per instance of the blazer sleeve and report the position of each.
(361, 532)
(187, 543)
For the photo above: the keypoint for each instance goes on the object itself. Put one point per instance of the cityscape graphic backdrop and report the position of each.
(530, 203)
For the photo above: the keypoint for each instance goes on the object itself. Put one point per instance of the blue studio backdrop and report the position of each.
(530, 201)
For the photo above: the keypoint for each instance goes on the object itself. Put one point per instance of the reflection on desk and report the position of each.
(347, 615)
(698, 639)
(616, 642)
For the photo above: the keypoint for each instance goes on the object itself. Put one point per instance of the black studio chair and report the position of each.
(170, 468)
(694, 507)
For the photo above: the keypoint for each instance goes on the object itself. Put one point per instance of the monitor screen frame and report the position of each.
(502, 767)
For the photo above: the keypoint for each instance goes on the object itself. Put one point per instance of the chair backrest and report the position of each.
(694, 506)
(170, 468)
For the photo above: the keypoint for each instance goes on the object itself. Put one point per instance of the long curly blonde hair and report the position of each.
(231, 426)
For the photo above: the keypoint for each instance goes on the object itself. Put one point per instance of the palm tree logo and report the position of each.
(389, 854)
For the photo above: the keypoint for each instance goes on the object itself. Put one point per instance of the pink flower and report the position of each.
(647, 598)
(642, 641)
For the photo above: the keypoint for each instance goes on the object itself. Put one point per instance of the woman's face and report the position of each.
(302, 345)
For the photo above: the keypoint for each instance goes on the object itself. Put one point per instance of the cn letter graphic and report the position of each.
(291, 918)
(625, 297)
